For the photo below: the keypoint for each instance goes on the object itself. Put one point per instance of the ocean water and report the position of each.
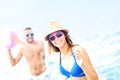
(103, 50)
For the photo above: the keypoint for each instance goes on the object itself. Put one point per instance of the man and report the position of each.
(34, 53)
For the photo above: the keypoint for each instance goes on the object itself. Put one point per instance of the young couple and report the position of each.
(74, 62)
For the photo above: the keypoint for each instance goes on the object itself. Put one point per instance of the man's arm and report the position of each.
(14, 61)
(43, 50)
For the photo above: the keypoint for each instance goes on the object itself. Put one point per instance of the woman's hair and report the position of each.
(68, 40)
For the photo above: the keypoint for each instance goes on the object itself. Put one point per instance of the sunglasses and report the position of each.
(57, 34)
(28, 35)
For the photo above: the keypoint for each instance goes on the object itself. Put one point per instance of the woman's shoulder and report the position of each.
(77, 47)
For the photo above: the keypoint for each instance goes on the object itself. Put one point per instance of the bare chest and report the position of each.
(68, 63)
(32, 51)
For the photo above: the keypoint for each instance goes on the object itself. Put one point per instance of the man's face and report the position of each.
(29, 36)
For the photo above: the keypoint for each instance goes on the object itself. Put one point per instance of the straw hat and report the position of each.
(54, 26)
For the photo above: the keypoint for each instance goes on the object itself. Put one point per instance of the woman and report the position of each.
(74, 60)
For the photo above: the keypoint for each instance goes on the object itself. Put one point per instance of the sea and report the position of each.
(103, 50)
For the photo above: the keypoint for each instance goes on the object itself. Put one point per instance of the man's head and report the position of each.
(29, 36)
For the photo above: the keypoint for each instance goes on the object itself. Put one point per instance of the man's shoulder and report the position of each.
(39, 41)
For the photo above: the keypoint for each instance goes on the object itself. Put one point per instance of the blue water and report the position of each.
(103, 50)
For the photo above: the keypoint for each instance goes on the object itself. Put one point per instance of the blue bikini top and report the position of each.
(76, 71)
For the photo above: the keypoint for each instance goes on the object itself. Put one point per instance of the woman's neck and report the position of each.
(65, 49)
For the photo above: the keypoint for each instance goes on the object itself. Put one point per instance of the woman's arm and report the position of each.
(84, 61)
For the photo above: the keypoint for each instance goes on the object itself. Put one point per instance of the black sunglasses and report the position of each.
(57, 34)
(28, 35)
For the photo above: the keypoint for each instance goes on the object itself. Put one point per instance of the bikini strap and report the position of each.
(73, 55)
(60, 57)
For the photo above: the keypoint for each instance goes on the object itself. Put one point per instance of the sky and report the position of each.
(83, 18)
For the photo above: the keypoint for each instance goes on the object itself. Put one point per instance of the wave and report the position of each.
(105, 55)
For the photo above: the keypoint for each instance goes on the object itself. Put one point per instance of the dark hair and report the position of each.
(28, 28)
(68, 39)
